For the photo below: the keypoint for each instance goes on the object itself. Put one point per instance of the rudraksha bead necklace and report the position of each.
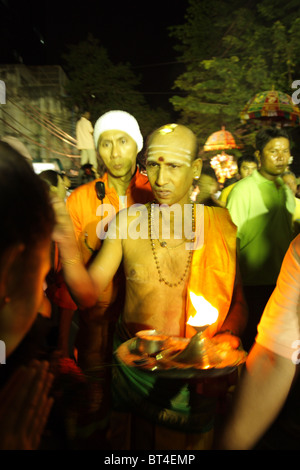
(164, 244)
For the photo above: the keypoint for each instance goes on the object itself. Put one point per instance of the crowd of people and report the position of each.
(81, 275)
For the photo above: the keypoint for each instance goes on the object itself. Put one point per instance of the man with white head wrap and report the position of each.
(118, 140)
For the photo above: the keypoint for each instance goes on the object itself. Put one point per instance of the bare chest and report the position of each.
(148, 262)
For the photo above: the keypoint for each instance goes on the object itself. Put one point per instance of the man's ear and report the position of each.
(53, 189)
(257, 155)
(197, 167)
(8, 263)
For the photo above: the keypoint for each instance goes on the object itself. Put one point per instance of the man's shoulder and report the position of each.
(140, 188)
(141, 179)
(242, 189)
(295, 247)
(221, 213)
(124, 223)
(225, 192)
(250, 180)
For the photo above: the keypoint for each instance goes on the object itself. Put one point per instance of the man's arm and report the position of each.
(85, 285)
(263, 389)
(238, 206)
(269, 370)
(71, 205)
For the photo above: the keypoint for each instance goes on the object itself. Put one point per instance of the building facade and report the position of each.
(33, 110)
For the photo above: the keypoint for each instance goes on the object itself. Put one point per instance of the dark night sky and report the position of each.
(134, 32)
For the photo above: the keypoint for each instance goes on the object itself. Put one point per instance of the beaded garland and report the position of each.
(164, 245)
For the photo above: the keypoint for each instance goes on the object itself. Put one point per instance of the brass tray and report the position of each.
(165, 364)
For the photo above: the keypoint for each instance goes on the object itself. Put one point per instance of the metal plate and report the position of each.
(163, 365)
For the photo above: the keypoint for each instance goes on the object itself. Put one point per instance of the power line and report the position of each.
(41, 124)
(19, 124)
(37, 143)
(63, 133)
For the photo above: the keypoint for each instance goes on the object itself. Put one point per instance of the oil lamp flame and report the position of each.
(205, 315)
(199, 349)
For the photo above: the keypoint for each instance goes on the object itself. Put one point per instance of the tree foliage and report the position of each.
(98, 84)
(231, 53)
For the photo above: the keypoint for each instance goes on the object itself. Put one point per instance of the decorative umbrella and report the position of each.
(272, 105)
(220, 140)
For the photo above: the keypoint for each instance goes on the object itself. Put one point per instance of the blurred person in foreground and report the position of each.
(28, 218)
(269, 376)
(16, 144)
(62, 305)
(58, 183)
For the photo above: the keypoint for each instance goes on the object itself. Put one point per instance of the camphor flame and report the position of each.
(206, 314)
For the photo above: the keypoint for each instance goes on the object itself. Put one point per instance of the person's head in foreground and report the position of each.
(58, 184)
(172, 163)
(28, 220)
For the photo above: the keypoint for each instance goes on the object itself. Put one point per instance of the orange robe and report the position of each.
(213, 268)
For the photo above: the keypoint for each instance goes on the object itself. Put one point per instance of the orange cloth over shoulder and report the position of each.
(213, 268)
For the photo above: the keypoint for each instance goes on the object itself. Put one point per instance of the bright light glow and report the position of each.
(224, 165)
(38, 167)
(206, 314)
(167, 128)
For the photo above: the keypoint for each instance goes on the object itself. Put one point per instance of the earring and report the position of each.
(196, 177)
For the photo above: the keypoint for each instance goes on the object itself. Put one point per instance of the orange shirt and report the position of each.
(84, 208)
